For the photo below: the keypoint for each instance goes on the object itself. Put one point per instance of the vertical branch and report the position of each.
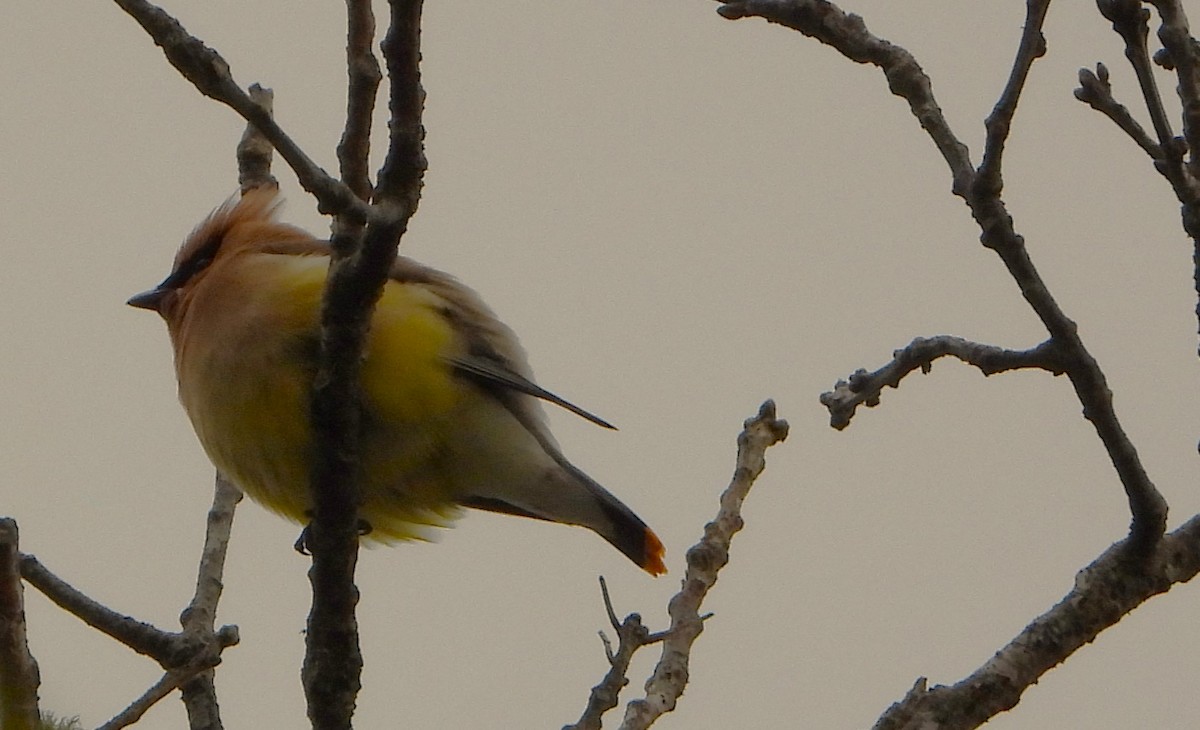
(404, 167)
(254, 151)
(1177, 39)
(363, 77)
(19, 678)
(1184, 57)
(359, 269)
(199, 618)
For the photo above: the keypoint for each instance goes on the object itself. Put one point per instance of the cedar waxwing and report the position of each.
(451, 417)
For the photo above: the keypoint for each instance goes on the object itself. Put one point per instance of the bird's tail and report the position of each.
(623, 529)
(569, 496)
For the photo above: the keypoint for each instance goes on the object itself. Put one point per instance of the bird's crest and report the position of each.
(254, 209)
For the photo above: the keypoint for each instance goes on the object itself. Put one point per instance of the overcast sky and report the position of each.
(681, 216)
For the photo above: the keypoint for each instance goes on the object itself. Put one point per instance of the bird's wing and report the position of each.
(491, 356)
(492, 372)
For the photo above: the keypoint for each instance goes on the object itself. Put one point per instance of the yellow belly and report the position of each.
(248, 398)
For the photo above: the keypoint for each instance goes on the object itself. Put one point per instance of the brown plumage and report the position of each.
(451, 416)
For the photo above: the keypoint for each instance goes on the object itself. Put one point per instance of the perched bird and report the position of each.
(451, 417)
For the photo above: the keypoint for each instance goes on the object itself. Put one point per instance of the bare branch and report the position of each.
(1104, 592)
(362, 70)
(1096, 91)
(999, 122)
(254, 151)
(865, 388)
(400, 178)
(19, 678)
(169, 682)
(1183, 55)
(631, 636)
(210, 74)
(1131, 21)
(1177, 41)
(704, 560)
(137, 635)
(198, 619)
(333, 660)
(187, 656)
(848, 34)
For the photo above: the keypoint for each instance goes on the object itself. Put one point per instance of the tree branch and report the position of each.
(199, 618)
(254, 150)
(401, 177)
(1177, 40)
(999, 122)
(363, 77)
(1096, 91)
(1104, 592)
(631, 636)
(848, 34)
(210, 74)
(865, 388)
(188, 656)
(704, 560)
(357, 274)
(19, 678)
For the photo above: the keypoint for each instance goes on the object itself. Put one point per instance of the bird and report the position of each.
(451, 416)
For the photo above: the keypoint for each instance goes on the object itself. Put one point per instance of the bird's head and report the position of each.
(237, 225)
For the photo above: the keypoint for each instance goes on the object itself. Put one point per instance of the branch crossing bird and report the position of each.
(451, 416)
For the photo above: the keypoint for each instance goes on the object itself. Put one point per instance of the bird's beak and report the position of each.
(151, 299)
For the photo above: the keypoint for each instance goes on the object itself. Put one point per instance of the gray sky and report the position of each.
(681, 216)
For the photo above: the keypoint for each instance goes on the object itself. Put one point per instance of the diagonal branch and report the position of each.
(999, 122)
(1131, 21)
(847, 32)
(704, 560)
(1103, 593)
(865, 388)
(1096, 91)
(210, 74)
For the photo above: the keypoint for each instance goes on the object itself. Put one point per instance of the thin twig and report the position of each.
(363, 77)
(199, 618)
(631, 636)
(1131, 21)
(197, 648)
(1184, 56)
(704, 560)
(1178, 42)
(999, 122)
(1096, 91)
(865, 388)
(137, 635)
